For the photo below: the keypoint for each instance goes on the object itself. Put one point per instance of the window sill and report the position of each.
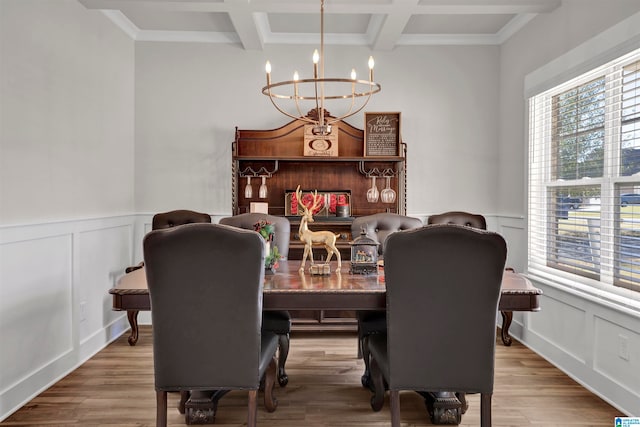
(617, 298)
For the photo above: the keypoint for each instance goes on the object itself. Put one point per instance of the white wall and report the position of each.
(66, 189)
(190, 97)
(66, 117)
(577, 331)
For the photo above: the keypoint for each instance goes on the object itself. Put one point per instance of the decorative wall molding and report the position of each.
(76, 262)
(55, 310)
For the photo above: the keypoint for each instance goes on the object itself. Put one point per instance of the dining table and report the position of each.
(288, 288)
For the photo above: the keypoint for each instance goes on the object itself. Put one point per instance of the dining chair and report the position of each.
(207, 331)
(278, 321)
(460, 218)
(443, 288)
(377, 227)
(171, 219)
(160, 221)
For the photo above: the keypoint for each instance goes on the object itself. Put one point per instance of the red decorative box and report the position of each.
(327, 206)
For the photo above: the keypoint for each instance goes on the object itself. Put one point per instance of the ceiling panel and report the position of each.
(310, 23)
(161, 20)
(456, 24)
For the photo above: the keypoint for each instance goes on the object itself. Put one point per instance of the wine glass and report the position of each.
(388, 195)
(262, 191)
(248, 191)
(373, 193)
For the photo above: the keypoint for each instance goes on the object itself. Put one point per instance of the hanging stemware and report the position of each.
(248, 191)
(262, 191)
(388, 195)
(373, 193)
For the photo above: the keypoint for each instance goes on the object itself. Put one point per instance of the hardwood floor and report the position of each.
(115, 387)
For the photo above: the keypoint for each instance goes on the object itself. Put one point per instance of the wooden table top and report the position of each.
(288, 289)
(288, 280)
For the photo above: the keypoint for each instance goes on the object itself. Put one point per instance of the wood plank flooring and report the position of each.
(115, 387)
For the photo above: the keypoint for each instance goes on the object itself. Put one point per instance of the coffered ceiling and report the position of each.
(379, 24)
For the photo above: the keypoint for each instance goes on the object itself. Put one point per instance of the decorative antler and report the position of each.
(317, 201)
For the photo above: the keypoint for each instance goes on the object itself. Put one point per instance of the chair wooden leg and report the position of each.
(366, 358)
(377, 400)
(253, 408)
(161, 408)
(395, 408)
(184, 396)
(485, 410)
(283, 353)
(270, 402)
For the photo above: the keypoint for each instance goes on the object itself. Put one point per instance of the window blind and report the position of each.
(584, 176)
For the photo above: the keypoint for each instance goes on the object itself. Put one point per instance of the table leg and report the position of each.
(201, 407)
(132, 315)
(445, 407)
(507, 316)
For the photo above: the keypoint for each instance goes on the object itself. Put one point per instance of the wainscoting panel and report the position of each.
(616, 351)
(563, 325)
(35, 305)
(553, 333)
(55, 309)
(513, 230)
(101, 254)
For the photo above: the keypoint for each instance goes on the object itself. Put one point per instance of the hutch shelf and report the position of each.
(278, 155)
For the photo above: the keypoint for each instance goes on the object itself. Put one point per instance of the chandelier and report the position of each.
(316, 91)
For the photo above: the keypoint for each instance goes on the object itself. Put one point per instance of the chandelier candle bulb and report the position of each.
(371, 64)
(267, 68)
(353, 77)
(316, 58)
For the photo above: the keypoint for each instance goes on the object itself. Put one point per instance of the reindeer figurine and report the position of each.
(308, 237)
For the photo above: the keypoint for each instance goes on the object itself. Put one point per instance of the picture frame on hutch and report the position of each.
(382, 134)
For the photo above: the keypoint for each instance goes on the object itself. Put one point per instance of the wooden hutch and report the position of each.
(279, 155)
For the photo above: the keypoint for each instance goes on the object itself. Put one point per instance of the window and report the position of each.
(584, 177)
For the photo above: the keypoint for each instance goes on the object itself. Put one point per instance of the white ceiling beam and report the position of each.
(390, 31)
(247, 28)
(446, 7)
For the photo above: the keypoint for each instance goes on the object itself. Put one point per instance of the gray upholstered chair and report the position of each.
(178, 217)
(441, 332)
(377, 227)
(207, 331)
(161, 221)
(172, 219)
(278, 322)
(459, 218)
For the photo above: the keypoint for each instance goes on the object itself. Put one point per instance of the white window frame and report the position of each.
(540, 181)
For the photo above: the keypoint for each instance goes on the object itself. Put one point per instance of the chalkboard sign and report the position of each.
(381, 134)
